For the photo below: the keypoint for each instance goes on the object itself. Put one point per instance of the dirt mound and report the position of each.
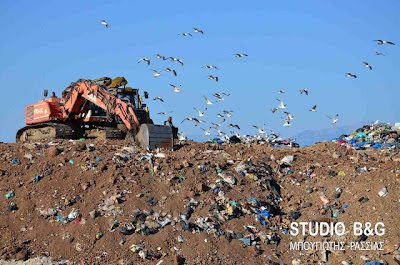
(102, 202)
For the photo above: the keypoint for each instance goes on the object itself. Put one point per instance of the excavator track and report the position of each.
(103, 133)
(44, 131)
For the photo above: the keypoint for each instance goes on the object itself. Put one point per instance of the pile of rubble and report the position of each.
(103, 202)
(378, 136)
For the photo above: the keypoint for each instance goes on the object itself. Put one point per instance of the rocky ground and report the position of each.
(103, 202)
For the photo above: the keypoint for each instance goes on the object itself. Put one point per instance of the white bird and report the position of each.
(240, 55)
(380, 42)
(104, 23)
(234, 125)
(158, 98)
(220, 133)
(176, 88)
(281, 105)
(211, 77)
(163, 113)
(182, 136)
(334, 120)
(156, 73)
(287, 123)
(218, 96)
(201, 114)
(198, 30)
(218, 124)
(208, 101)
(260, 131)
(220, 115)
(281, 91)
(367, 65)
(145, 60)
(379, 53)
(289, 116)
(350, 75)
(305, 91)
(375, 122)
(158, 56)
(186, 34)
(314, 108)
(196, 121)
(171, 70)
(228, 113)
(176, 60)
(210, 67)
(207, 132)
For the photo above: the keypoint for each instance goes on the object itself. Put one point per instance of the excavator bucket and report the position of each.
(152, 136)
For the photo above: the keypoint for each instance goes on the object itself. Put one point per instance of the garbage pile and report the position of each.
(103, 202)
(380, 136)
(269, 140)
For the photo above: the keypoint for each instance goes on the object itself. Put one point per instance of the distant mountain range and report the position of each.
(310, 137)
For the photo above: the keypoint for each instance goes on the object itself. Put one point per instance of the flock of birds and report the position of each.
(226, 114)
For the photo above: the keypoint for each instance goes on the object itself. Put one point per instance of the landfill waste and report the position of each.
(202, 203)
(382, 136)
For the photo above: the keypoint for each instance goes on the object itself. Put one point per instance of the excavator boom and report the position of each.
(89, 90)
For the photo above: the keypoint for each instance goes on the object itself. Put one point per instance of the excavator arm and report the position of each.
(97, 94)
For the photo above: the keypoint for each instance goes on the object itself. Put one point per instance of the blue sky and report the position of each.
(292, 45)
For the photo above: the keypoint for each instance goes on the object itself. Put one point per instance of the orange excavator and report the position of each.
(104, 108)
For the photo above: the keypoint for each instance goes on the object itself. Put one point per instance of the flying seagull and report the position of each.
(367, 65)
(380, 42)
(158, 56)
(240, 55)
(218, 96)
(156, 73)
(198, 30)
(171, 70)
(220, 115)
(201, 114)
(218, 124)
(287, 123)
(234, 125)
(379, 53)
(314, 108)
(260, 131)
(281, 91)
(289, 116)
(225, 94)
(274, 109)
(176, 88)
(186, 34)
(220, 133)
(196, 121)
(210, 66)
(350, 75)
(211, 77)
(228, 113)
(163, 113)
(305, 91)
(281, 105)
(207, 132)
(144, 60)
(208, 101)
(334, 120)
(104, 23)
(158, 98)
(375, 122)
(176, 60)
